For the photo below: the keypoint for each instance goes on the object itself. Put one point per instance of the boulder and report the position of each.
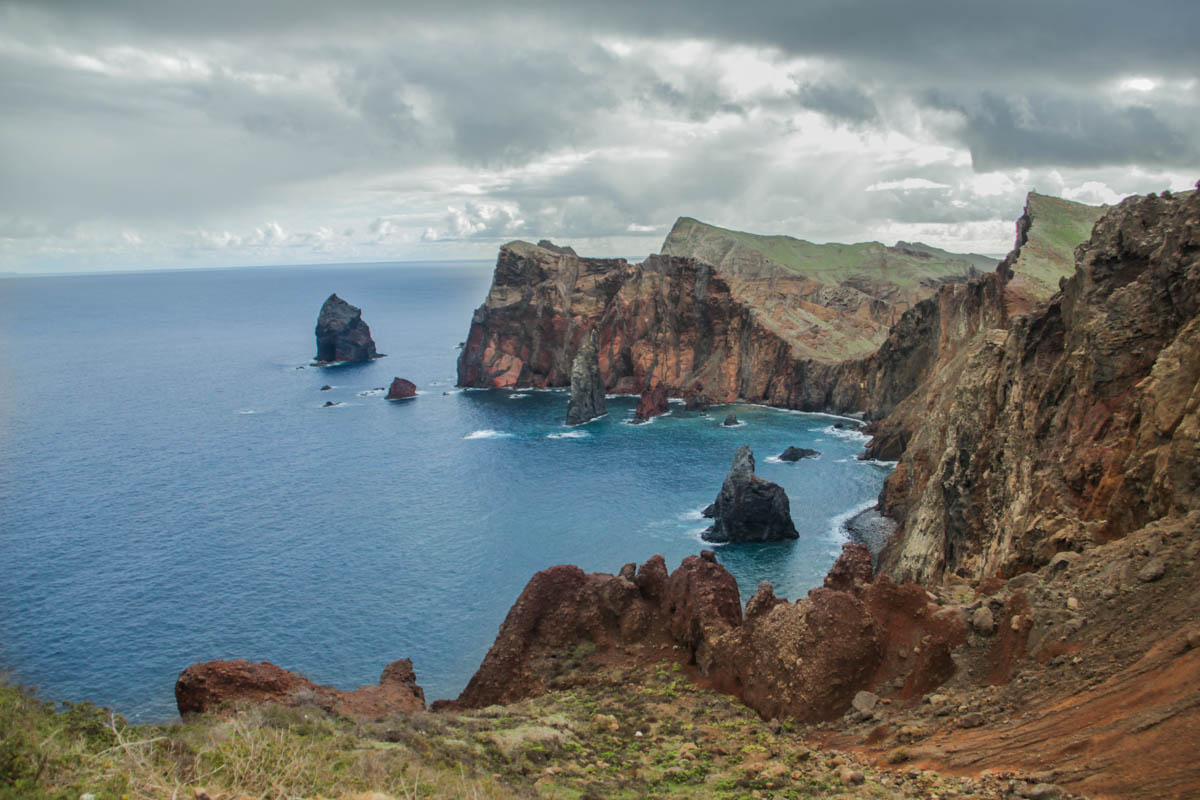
(851, 570)
(341, 333)
(748, 508)
(652, 403)
(216, 685)
(587, 386)
(730, 421)
(401, 389)
(797, 453)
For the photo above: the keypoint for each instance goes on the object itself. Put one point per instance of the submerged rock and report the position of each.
(587, 386)
(215, 684)
(797, 453)
(652, 403)
(749, 509)
(401, 389)
(341, 333)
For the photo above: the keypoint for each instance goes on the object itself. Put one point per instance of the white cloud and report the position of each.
(906, 185)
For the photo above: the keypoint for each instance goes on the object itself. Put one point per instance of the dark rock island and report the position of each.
(341, 333)
(587, 385)
(749, 509)
(797, 453)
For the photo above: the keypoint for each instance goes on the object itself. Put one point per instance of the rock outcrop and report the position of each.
(1075, 424)
(652, 403)
(401, 389)
(796, 453)
(805, 660)
(587, 386)
(749, 508)
(341, 333)
(216, 685)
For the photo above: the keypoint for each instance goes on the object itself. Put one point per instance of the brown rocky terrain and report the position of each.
(217, 685)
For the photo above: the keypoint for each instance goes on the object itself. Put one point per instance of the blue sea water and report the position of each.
(172, 489)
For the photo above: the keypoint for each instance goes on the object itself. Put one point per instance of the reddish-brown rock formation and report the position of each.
(671, 321)
(804, 660)
(401, 389)
(214, 685)
(652, 403)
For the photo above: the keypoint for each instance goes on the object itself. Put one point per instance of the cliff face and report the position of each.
(668, 320)
(1077, 424)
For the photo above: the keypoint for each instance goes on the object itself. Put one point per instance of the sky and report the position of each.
(152, 134)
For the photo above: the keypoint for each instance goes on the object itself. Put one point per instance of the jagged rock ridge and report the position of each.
(1075, 424)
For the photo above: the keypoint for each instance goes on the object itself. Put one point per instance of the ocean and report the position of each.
(173, 490)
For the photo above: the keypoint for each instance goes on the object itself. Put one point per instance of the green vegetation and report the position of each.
(631, 732)
(904, 265)
(1058, 227)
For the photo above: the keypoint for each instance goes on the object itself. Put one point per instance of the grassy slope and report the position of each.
(832, 263)
(636, 732)
(1059, 226)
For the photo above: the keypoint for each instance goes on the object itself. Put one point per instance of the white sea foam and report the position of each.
(774, 460)
(488, 433)
(454, 391)
(695, 515)
(247, 411)
(875, 462)
(372, 392)
(517, 396)
(837, 526)
(569, 435)
(850, 434)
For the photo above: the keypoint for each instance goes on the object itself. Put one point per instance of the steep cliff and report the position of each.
(1076, 424)
(676, 321)
(667, 320)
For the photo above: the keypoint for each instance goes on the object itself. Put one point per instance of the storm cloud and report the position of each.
(152, 134)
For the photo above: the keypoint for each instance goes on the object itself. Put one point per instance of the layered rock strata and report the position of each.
(341, 333)
(215, 685)
(587, 387)
(749, 508)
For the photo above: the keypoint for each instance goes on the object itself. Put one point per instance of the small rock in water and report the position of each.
(326, 388)
(329, 404)
(797, 453)
(401, 389)
(730, 421)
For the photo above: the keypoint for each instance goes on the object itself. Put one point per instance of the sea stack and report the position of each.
(587, 386)
(652, 403)
(341, 333)
(749, 508)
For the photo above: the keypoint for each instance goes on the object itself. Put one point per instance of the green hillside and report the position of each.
(1057, 227)
(741, 253)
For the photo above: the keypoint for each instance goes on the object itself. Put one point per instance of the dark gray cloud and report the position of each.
(1037, 129)
(844, 103)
